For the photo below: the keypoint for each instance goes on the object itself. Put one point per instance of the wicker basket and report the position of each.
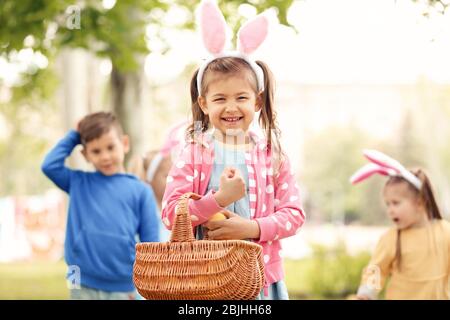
(187, 269)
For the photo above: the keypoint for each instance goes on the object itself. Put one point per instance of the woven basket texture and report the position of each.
(188, 269)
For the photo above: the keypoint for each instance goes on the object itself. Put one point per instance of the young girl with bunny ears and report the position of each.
(415, 254)
(239, 173)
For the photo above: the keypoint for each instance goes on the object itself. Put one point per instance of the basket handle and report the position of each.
(182, 227)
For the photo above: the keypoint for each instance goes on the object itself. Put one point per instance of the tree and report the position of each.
(438, 6)
(116, 32)
(409, 149)
(332, 157)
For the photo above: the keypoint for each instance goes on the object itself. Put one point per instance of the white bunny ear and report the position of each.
(252, 34)
(212, 26)
(368, 170)
(392, 166)
(383, 160)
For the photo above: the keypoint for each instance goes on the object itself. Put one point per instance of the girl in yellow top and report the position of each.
(415, 254)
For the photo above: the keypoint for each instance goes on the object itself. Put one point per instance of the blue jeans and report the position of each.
(277, 291)
(85, 293)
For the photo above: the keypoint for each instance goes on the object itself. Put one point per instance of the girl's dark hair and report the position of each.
(425, 195)
(94, 125)
(228, 66)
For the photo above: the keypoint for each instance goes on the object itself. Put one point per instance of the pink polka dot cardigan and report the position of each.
(274, 196)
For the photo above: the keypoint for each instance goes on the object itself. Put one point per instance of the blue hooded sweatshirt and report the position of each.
(107, 215)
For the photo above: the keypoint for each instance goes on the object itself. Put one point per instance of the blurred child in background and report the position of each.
(153, 167)
(415, 253)
(109, 210)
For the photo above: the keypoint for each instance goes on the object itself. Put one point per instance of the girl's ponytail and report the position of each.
(427, 196)
(198, 117)
(398, 250)
(268, 115)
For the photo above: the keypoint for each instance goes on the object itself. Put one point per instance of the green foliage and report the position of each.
(335, 273)
(18, 19)
(229, 9)
(297, 272)
(47, 26)
(332, 157)
(117, 33)
(30, 117)
(438, 6)
(331, 273)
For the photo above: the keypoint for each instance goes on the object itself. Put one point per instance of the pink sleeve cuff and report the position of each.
(268, 229)
(204, 208)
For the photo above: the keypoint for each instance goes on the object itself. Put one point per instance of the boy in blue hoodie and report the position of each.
(108, 209)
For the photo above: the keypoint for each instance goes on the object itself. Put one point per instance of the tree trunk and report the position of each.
(127, 104)
(74, 93)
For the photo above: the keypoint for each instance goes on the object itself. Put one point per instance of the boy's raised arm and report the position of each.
(53, 165)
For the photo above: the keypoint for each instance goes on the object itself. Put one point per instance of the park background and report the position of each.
(351, 74)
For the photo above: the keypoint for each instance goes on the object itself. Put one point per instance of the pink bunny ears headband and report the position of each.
(385, 165)
(213, 30)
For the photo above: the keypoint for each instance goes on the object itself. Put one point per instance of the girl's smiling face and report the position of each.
(230, 102)
(403, 206)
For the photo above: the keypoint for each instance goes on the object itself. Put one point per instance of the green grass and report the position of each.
(327, 274)
(46, 280)
(37, 280)
(296, 277)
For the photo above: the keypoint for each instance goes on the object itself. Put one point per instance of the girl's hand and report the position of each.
(231, 188)
(233, 228)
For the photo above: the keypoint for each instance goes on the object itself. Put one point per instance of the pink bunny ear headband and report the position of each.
(173, 139)
(213, 31)
(385, 165)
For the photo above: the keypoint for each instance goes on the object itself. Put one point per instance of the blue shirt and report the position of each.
(106, 216)
(230, 156)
